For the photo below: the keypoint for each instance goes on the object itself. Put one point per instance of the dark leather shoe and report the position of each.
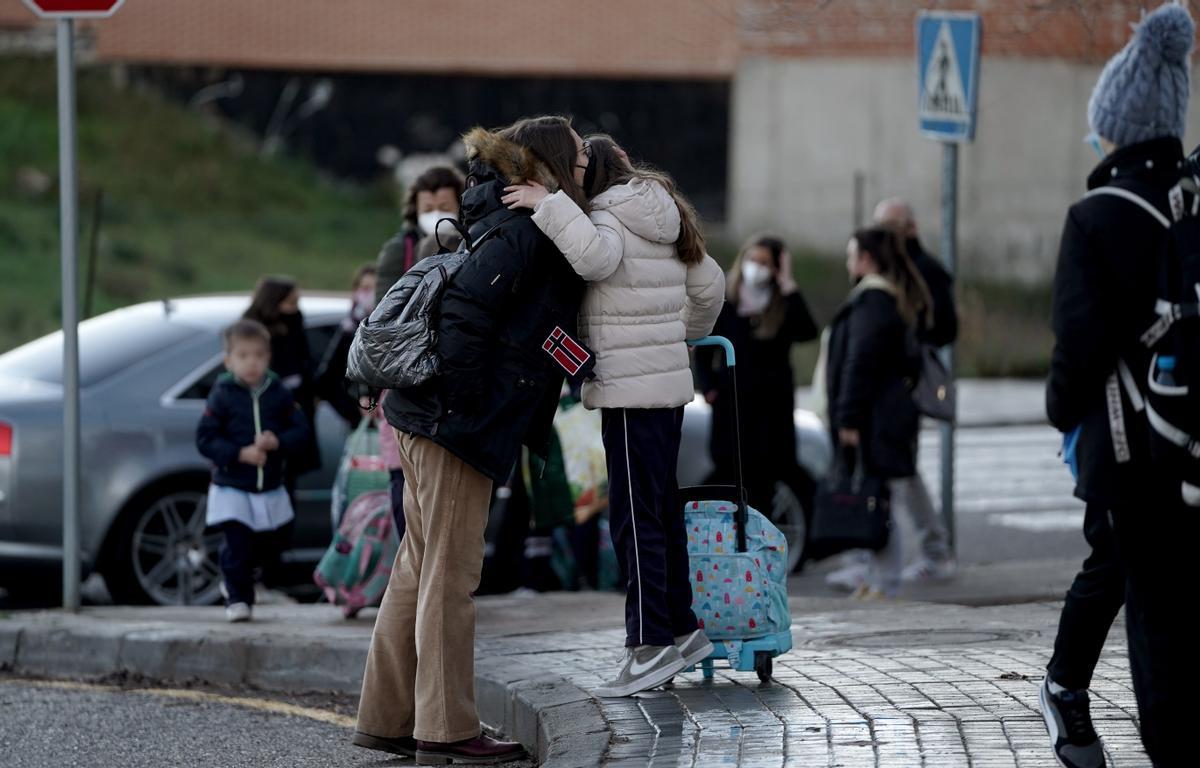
(397, 745)
(481, 750)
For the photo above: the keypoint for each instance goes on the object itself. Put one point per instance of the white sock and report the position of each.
(1054, 687)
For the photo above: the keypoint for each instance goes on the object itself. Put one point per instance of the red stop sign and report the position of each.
(61, 9)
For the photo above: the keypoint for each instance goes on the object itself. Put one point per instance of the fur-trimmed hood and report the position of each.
(509, 159)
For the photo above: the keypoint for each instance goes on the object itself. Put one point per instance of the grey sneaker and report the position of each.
(237, 613)
(1069, 720)
(694, 648)
(645, 667)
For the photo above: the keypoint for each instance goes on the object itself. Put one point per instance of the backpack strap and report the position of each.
(1122, 379)
(1134, 198)
(1168, 314)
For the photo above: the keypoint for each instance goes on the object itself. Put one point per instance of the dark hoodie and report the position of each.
(498, 388)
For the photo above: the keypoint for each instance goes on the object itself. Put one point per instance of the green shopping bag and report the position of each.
(360, 471)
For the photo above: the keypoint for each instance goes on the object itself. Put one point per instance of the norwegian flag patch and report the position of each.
(572, 357)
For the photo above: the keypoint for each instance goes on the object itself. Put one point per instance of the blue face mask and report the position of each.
(1093, 141)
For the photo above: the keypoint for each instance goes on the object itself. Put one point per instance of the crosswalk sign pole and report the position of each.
(950, 256)
(948, 46)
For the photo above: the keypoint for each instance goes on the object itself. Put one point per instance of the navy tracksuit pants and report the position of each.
(646, 517)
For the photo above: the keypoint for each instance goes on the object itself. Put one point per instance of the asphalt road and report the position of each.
(55, 724)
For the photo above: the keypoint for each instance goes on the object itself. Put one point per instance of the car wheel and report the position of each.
(164, 555)
(789, 515)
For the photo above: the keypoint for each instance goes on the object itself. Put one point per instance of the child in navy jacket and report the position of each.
(250, 426)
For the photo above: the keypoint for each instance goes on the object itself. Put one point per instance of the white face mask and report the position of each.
(428, 221)
(755, 274)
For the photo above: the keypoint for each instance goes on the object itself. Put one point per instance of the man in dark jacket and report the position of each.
(463, 431)
(936, 561)
(1105, 289)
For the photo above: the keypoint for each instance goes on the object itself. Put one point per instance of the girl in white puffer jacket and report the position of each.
(651, 286)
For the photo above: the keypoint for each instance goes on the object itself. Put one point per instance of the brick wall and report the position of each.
(607, 38)
(14, 15)
(1075, 30)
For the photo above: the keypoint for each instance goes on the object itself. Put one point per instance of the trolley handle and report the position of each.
(740, 515)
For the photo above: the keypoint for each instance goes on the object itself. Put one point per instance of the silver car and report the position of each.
(145, 372)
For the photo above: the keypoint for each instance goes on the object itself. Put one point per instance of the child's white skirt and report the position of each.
(259, 511)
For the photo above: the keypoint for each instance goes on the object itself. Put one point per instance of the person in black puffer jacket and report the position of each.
(1142, 536)
(871, 362)
(463, 431)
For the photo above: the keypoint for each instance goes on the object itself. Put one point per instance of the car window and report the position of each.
(199, 389)
(107, 344)
(319, 337)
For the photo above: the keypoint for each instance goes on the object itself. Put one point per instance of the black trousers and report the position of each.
(646, 516)
(1156, 548)
(396, 494)
(244, 551)
(1092, 603)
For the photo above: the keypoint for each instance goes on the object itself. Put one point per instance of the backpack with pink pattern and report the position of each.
(355, 570)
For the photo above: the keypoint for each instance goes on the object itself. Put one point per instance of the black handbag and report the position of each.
(934, 394)
(852, 509)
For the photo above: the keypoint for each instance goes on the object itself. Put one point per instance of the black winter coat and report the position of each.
(498, 389)
(871, 367)
(1105, 288)
(944, 329)
(766, 396)
(229, 424)
(292, 362)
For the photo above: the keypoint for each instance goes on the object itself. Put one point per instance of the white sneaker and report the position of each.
(238, 612)
(848, 578)
(925, 569)
(694, 648)
(645, 667)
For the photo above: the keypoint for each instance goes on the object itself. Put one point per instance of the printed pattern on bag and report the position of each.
(736, 595)
(355, 570)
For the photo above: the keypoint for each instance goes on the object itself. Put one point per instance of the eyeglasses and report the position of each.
(586, 151)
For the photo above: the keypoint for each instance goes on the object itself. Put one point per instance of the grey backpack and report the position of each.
(396, 347)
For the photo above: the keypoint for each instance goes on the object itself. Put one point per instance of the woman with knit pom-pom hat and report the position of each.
(1143, 538)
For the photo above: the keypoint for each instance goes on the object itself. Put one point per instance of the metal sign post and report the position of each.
(948, 95)
(69, 207)
(64, 12)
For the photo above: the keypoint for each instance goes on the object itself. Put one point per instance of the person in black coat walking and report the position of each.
(764, 316)
(461, 432)
(1105, 288)
(871, 362)
(936, 560)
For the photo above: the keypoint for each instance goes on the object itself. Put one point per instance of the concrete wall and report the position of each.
(801, 128)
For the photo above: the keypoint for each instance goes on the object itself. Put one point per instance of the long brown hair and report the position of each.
(613, 168)
(437, 177)
(269, 293)
(776, 311)
(549, 138)
(888, 252)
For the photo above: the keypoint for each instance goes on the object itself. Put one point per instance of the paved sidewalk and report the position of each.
(987, 402)
(886, 684)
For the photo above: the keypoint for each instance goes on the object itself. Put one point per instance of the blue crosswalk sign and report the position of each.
(948, 74)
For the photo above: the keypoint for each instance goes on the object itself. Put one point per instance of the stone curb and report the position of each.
(557, 721)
